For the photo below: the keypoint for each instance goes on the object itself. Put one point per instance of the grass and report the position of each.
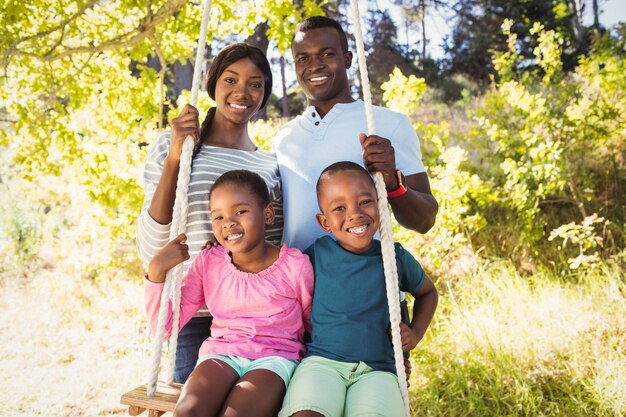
(72, 345)
(501, 344)
(506, 345)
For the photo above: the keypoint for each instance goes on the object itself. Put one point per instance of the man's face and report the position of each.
(321, 65)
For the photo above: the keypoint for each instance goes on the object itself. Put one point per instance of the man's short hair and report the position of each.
(318, 22)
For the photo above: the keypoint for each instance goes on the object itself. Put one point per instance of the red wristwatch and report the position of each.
(402, 187)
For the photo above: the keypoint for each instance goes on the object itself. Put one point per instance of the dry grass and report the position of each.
(71, 346)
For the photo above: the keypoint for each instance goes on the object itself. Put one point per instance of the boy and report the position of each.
(349, 367)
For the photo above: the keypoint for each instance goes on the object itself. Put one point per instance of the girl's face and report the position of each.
(239, 218)
(239, 91)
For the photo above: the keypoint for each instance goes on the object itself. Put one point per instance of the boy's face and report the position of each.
(321, 64)
(349, 207)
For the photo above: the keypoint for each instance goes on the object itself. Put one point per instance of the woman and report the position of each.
(240, 82)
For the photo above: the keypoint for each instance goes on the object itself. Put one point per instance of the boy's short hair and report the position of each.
(339, 167)
(318, 22)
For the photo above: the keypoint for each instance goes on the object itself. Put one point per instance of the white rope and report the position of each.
(179, 225)
(386, 233)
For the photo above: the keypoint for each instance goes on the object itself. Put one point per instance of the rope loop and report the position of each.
(386, 232)
(173, 279)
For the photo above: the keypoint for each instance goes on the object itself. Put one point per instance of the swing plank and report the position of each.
(164, 400)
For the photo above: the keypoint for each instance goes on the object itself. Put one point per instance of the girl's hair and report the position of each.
(225, 58)
(244, 178)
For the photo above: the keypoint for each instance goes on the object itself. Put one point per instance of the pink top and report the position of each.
(254, 315)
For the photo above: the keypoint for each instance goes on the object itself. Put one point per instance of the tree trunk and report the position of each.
(285, 100)
(422, 6)
(576, 9)
(183, 77)
(260, 40)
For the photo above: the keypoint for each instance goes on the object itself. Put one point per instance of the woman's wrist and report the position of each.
(173, 159)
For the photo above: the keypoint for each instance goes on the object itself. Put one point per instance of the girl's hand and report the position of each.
(212, 242)
(185, 124)
(175, 252)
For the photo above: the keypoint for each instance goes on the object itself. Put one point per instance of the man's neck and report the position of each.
(323, 107)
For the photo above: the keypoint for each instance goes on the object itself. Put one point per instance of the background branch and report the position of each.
(146, 26)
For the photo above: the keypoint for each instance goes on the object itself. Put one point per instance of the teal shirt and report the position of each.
(350, 313)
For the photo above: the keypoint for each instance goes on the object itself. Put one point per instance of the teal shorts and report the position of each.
(277, 364)
(336, 389)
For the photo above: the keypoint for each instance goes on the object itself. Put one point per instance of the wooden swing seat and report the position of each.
(163, 401)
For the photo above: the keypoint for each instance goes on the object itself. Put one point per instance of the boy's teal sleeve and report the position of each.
(411, 275)
(310, 252)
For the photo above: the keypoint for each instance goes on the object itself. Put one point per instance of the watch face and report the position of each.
(401, 179)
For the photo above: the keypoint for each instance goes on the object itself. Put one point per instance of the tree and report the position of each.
(383, 51)
(414, 12)
(74, 101)
(476, 34)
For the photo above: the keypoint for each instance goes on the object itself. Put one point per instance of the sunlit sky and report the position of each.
(611, 12)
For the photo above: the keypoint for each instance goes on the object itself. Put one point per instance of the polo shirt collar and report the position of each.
(311, 114)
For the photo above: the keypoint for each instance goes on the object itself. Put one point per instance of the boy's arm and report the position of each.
(424, 306)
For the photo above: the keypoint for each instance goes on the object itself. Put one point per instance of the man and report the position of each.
(332, 129)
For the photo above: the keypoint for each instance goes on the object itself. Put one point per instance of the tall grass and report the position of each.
(507, 345)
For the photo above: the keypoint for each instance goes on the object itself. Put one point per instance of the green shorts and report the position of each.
(337, 389)
(277, 364)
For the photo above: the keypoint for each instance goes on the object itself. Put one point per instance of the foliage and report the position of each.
(584, 237)
(79, 96)
(383, 52)
(454, 187)
(476, 32)
(552, 140)
(543, 154)
(403, 94)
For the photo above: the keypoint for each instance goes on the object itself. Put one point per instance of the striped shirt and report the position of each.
(208, 165)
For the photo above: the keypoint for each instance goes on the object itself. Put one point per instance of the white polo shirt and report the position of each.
(308, 144)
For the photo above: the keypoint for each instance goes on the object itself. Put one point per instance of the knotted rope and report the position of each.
(179, 225)
(386, 233)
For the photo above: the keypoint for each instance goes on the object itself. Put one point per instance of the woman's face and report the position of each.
(239, 91)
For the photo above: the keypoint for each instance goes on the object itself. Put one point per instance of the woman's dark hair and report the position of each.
(225, 58)
(244, 178)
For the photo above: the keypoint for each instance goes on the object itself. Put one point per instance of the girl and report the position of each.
(260, 297)
(240, 82)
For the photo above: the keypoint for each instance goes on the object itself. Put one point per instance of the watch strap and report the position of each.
(402, 187)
